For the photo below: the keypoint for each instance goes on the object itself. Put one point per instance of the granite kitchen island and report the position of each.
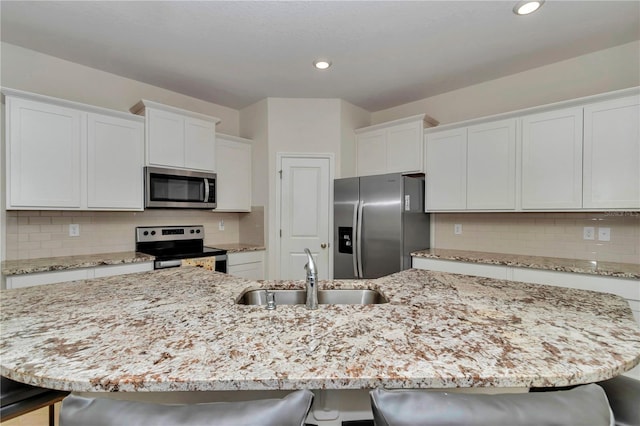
(181, 330)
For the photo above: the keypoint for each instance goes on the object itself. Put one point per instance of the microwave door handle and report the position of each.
(206, 190)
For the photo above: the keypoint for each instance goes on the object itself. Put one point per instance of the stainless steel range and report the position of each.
(172, 244)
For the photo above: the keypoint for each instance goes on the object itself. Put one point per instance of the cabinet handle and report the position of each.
(323, 245)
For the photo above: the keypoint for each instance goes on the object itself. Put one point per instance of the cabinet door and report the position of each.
(612, 154)
(404, 148)
(233, 171)
(115, 152)
(44, 155)
(491, 166)
(200, 144)
(446, 170)
(371, 153)
(552, 160)
(165, 138)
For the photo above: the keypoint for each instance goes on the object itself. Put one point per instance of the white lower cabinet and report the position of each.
(454, 267)
(41, 278)
(248, 265)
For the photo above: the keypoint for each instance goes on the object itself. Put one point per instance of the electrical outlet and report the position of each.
(74, 230)
(588, 233)
(604, 234)
(221, 225)
(457, 228)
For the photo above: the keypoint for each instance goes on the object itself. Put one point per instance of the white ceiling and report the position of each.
(384, 53)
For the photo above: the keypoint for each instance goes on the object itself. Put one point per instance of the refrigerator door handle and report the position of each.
(355, 240)
(359, 240)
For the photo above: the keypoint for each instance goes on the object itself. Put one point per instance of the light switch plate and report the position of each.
(604, 234)
(74, 230)
(457, 228)
(588, 233)
(221, 225)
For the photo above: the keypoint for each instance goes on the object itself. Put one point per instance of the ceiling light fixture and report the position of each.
(322, 64)
(526, 7)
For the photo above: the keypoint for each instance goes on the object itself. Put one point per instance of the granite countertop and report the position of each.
(179, 329)
(611, 269)
(48, 264)
(237, 248)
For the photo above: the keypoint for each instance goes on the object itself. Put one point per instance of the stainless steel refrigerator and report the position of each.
(379, 220)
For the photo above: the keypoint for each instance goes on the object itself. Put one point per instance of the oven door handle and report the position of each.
(160, 264)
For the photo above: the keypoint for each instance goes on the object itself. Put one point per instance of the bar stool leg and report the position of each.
(52, 415)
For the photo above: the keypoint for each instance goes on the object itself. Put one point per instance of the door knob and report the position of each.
(323, 245)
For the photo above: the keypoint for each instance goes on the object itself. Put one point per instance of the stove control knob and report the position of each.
(153, 232)
(198, 231)
(192, 231)
(145, 233)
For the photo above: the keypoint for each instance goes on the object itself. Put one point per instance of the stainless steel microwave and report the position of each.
(176, 188)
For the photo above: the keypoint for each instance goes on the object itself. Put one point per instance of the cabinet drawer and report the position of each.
(41, 278)
(455, 267)
(129, 268)
(246, 257)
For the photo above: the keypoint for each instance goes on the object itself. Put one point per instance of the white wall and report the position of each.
(602, 71)
(297, 126)
(351, 117)
(32, 71)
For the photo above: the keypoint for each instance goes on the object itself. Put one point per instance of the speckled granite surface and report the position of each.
(237, 248)
(180, 330)
(47, 264)
(611, 269)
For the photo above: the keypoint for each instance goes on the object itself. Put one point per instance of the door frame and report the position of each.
(275, 263)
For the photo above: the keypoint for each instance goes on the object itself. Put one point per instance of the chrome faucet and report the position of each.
(312, 281)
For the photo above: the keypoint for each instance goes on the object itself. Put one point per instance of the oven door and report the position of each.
(210, 263)
(172, 188)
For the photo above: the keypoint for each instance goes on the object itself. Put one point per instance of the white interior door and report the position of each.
(305, 213)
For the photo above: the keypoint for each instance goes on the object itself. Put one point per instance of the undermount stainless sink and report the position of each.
(325, 297)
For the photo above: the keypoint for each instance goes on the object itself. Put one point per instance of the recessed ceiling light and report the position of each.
(526, 7)
(322, 64)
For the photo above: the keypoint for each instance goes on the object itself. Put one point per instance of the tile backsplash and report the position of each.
(34, 234)
(542, 234)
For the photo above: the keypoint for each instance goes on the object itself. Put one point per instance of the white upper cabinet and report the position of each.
(446, 164)
(44, 154)
(165, 138)
(371, 150)
(199, 144)
(491, 166)
(612, 154)
(63, 155)
(177, 137)
(472, 168)
(582, 154)
(115, 155)
(392, 147)
(552, 160)
(233, 169)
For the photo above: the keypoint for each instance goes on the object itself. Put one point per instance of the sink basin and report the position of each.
(325, 297)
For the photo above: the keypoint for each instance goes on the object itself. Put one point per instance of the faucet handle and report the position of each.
(311, 264)
(271, 300)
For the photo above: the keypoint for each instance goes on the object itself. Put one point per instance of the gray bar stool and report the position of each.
(292, 410)
(624, 397)
(583, 405)
(18, 398)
